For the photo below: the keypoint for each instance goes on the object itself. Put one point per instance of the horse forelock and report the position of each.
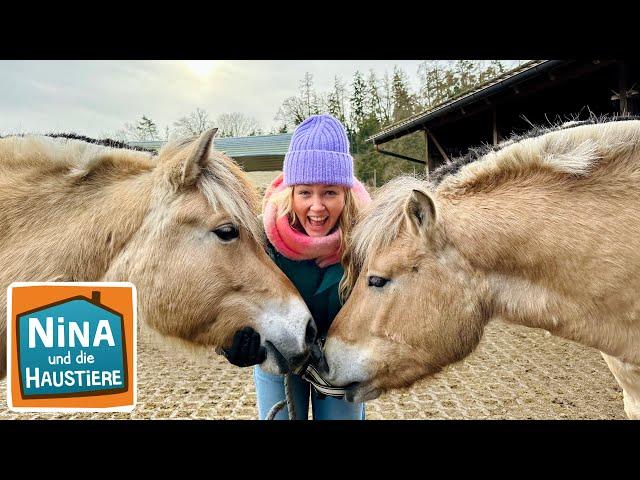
(572, 148)
(226, 188)
(379, 223)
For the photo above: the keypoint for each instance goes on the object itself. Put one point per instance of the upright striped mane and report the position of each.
(570, 147)
(73, 156)
(570, 150)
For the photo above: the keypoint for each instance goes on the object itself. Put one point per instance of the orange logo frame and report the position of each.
(120, 297)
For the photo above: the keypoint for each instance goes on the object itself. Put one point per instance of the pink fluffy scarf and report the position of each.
(296, 245)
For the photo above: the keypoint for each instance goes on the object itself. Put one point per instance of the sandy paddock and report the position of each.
(516, 373)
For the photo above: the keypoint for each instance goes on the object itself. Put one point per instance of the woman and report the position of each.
(307, 211)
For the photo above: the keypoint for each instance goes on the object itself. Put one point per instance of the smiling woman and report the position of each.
(201, 68)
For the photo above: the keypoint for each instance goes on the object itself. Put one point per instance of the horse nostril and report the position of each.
(318, 360)
(311, 332)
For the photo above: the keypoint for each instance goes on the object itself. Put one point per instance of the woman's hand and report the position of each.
(245, 349)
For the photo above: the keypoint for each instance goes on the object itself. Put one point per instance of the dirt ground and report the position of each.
(516, 373)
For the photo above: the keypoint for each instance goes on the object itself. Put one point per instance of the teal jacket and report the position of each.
(318, 286)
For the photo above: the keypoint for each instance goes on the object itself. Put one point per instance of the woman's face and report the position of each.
(318, 207)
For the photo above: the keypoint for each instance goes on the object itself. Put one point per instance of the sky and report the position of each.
(96, 98)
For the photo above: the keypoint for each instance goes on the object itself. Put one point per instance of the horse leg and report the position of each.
(628, 377)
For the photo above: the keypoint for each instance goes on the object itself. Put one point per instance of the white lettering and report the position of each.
(33, 378)
(74, 333)
(61, 331)
(107, 335)
(46, 379)
(36, 327)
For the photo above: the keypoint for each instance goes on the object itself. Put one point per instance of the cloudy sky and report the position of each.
(96, 98)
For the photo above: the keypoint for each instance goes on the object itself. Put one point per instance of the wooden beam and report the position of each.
(427, 160)
(495, 128)
(622, 82)
(435, 142)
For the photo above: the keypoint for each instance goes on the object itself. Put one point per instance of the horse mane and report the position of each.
(571, 150)
(106, 142)
(81, 159)
(71, 154)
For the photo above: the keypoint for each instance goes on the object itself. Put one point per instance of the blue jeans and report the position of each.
(270, 390)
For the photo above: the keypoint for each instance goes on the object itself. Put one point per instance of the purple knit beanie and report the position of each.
(319, 153)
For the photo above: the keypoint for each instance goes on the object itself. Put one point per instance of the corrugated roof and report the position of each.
(467, 93)
(255, 146)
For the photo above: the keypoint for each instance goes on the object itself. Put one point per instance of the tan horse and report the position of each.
(181, 226)
(542, 232)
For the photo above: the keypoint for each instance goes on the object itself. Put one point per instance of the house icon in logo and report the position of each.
(74, 347)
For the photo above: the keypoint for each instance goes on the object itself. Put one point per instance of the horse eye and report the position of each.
(377, 281)
(226, 233)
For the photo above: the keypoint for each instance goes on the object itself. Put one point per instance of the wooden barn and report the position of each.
(538, 92)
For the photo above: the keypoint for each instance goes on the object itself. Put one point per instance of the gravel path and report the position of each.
(516, 373)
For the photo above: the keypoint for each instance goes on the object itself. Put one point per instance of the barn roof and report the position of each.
(481, 91)
(236, 147)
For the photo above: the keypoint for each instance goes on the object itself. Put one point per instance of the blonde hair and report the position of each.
(283, 201)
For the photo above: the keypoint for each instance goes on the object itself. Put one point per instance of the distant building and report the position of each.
(261, 156)
(537, 92)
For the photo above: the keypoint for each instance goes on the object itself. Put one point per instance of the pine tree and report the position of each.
(386, 99)
(403, 100)
(335, 100)
(294, 110)
(374, 102)
(430, 74)
(309, 96)
(465, 72)
(147, 129)
(357, 101)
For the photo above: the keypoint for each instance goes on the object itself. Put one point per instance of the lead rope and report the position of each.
(288, 401)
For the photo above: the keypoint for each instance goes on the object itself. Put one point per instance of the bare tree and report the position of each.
(294, 110)
(145, 129)
(193, 124)
(237, 124)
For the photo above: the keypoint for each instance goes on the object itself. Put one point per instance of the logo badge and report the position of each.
(71, 346)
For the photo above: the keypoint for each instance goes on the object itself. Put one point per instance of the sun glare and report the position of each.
(201, 68)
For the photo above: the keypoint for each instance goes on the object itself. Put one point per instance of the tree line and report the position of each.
(365, 105)
(233, 124)
(369, 103)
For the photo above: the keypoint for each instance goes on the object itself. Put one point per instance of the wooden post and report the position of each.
(624, 109)
(495, 127)
(427, 160)
(440, 149)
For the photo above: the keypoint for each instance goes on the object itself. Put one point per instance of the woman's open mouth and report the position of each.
(317, 221)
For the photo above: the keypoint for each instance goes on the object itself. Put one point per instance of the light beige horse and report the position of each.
(542, 232)
(181, 226)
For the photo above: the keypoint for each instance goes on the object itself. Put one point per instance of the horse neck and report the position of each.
(74, 231)
(552, 255)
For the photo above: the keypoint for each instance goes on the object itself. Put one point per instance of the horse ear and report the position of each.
(186, 164)
(197, 159)
(420, 212)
